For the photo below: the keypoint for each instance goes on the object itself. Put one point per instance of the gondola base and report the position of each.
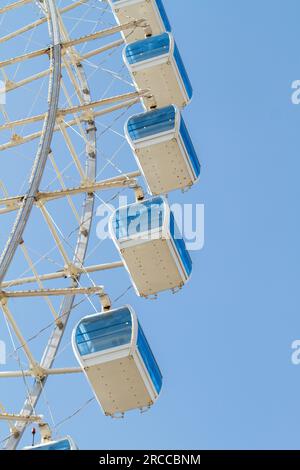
(165, 166)
(119, 385)
(153, 267)
(162, 79)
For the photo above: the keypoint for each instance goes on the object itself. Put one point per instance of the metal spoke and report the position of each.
(70, 115)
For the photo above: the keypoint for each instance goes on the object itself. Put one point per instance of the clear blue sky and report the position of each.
(223, 343)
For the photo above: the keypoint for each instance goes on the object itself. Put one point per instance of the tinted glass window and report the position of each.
(104, 331)
(151, 123)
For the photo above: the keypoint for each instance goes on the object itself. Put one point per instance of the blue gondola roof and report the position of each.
(157, 46)
(63, 444)
(154, 122)
(149, 215)
(151, 122)
(103, 331)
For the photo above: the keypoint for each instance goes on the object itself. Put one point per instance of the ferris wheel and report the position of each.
(72, 73)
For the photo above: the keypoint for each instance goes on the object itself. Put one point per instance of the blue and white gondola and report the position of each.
(152, 11)
(117, 360)
(66, 443)
(163, 149)
(155, 64)
(151, 246)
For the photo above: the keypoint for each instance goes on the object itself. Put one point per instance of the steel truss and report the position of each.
(62, 56)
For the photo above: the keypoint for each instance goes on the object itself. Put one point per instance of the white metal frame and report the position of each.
(63, 55)
(122, 4)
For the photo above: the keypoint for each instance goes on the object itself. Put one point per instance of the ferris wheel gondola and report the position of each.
(155, 63)
(163, 149)
(110, 346)
(66, 443)
(115, 355)
(151, 246)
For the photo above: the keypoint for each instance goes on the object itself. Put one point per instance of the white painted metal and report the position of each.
(14, 5)
(18, 140)
(85, 223)
(43, 150)
(60, 113)
(12, 85)
(60, 43)
(25, 419)
(52, 292)
(45, 372)
(8, 314)
(127, 179)
(73, 42)
(38, 22)
(125, 9)
(67, 273)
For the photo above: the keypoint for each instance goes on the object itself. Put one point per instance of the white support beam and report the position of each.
(53, 230)
(60, 179)
(24, 419)
(10, 423)
(62, 274)
(51, 292)
(37, 279)
(64, 370)
(11, 85)
(102, 49)
(125, 180)
(72, 150)
(14, 5)
(19, 140)
(103, 102)
(33, 364)
(62, 112)
(74, 42)
(14, 374)
(105, 32)
(71, 61)
(39, 22)
(80, 250)
(24, 57)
